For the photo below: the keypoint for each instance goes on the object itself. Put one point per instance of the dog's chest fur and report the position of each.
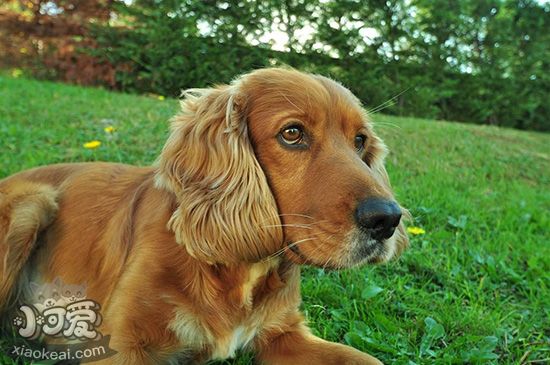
(223, 335)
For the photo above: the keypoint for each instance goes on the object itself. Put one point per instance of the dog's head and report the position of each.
(280, 161)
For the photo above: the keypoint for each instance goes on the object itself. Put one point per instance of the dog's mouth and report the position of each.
(299, 257)
(303, 258)
(372, 252)
(368, 250)
(359, 248)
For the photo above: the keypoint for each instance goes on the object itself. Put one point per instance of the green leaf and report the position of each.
(459, 223)
(353, 339)
(432, 332)
(433, 329)
(484, 351)
(371, 291)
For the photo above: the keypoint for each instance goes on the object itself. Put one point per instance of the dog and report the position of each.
(199, 255)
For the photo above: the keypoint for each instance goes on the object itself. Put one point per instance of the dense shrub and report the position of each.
(47, 38)
(476, 61)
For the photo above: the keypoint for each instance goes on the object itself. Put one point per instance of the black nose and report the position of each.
(378, 217)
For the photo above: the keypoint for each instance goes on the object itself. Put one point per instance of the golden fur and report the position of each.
(191, 259)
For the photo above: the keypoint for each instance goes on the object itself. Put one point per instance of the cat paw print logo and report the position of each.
(59, 309)
(60, 323)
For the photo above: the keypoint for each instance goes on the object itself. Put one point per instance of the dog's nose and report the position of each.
(379, 217)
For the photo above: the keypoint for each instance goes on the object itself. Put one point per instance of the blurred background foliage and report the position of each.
(481, 61)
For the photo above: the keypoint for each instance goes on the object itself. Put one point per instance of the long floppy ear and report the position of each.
(375, 159)
(226, 212)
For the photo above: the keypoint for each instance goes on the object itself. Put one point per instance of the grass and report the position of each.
(473, 289)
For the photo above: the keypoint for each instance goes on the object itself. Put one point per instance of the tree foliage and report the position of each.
(481, 61)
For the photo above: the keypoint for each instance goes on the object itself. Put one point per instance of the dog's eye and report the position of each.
(360, 140)
(293, 135)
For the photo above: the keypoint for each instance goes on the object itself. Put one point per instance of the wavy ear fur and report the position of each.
(226, 212)
(375, 159)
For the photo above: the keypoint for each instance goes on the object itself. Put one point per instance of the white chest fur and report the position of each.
(240, 338)
(194, 334)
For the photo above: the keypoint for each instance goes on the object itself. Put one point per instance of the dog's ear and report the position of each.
(374, 157)
(226, 213)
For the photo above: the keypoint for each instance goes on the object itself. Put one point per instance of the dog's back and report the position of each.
(90, 195)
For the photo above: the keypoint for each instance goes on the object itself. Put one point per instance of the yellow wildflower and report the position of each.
(92, 144)
(160, 97)
(16, 72)
(109, 129)
(415, 230)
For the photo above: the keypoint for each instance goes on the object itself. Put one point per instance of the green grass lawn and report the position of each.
(473, 289)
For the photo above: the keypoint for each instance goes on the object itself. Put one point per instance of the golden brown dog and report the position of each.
(198, 256)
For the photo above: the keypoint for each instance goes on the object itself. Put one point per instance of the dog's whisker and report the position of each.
(282, 250)
(386, 124)
(381, 107)
(388, 103)
(296, 243)
(293, 244)
(312, 223)
(288, 225)
(287, 214)
(319, 222)
(298, 225)
(329, 256)
(275, 254)
(296, 215)
(384, 105)
(317, 248)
